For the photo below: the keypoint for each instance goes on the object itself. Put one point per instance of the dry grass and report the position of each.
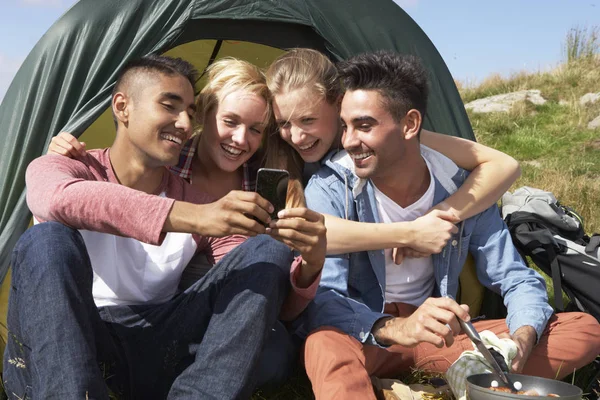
(581, 192)
(566, 82)
(581, 43)
(556, 149)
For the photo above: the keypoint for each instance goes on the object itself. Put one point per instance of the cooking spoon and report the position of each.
(472, 333)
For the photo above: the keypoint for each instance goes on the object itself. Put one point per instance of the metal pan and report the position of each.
(478, 388)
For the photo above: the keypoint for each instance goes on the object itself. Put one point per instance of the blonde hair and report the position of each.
(226, 76)
(298, 69)
(304, 68)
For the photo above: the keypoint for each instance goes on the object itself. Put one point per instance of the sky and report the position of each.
(476, 38)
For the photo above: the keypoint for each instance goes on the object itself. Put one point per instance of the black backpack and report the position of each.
(553, 237)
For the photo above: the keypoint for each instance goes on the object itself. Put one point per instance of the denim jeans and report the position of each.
(205, 343)
(279, 356)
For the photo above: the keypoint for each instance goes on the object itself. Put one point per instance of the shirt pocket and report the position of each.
(459, 249)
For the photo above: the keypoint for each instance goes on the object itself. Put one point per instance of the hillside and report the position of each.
(557, 150)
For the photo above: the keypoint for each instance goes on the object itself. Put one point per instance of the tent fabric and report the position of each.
(66, 80)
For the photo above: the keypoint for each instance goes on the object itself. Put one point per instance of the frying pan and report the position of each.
(478, 388)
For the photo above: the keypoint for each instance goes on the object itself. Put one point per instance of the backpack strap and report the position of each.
(593, 244)
(555, 269)
(556, 277)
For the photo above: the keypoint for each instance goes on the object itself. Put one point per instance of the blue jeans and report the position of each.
(278, 358)
(205, 343)
(280, 353)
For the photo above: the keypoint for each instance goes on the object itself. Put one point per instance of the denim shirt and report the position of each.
(351, 296)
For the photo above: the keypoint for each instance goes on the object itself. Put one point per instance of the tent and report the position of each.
(66, 80)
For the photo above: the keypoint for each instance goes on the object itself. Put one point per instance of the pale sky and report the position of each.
(476, 38)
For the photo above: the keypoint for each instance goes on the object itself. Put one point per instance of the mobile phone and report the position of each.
(272, 185)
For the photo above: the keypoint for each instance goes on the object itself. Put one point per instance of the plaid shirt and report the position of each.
(184, 167)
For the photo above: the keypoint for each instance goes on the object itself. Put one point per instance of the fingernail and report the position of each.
(271, 208)
(281, 214)
(268, 230)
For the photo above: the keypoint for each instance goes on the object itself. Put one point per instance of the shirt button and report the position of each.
(454, 243)
(361, 335)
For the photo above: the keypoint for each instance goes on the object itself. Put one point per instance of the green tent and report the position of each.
(66, 81)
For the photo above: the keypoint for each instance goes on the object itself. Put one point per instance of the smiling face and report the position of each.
(376, 142)
(155, 115)
(307, 122)
(232, 130)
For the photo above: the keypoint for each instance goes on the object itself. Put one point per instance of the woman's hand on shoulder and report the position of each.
(65, 144)
(430, 233)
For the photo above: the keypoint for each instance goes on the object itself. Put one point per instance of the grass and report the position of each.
(556, 150)
(296, 388)
(582, 43)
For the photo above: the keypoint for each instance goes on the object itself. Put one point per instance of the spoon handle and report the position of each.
(472, 333)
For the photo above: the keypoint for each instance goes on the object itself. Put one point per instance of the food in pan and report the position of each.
(531, 392)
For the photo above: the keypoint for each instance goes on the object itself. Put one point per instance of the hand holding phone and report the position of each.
(272, 184)
(303, 230)
(238, 212)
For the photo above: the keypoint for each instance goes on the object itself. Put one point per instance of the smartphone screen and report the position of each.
(272, 185)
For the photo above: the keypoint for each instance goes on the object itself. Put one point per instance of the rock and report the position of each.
(589, 98)
(594, 144)
(595, 123)
(504, 102)
(533, 163)
(563, 103)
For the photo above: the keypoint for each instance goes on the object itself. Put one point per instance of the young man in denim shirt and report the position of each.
(373, 317)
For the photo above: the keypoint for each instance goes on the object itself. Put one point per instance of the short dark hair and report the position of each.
(155, 63)
(401, 80)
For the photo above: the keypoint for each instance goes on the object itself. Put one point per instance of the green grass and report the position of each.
(582, 43)
(296, 388)
(557, 151)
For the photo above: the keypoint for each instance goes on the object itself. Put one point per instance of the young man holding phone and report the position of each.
(99, 283)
